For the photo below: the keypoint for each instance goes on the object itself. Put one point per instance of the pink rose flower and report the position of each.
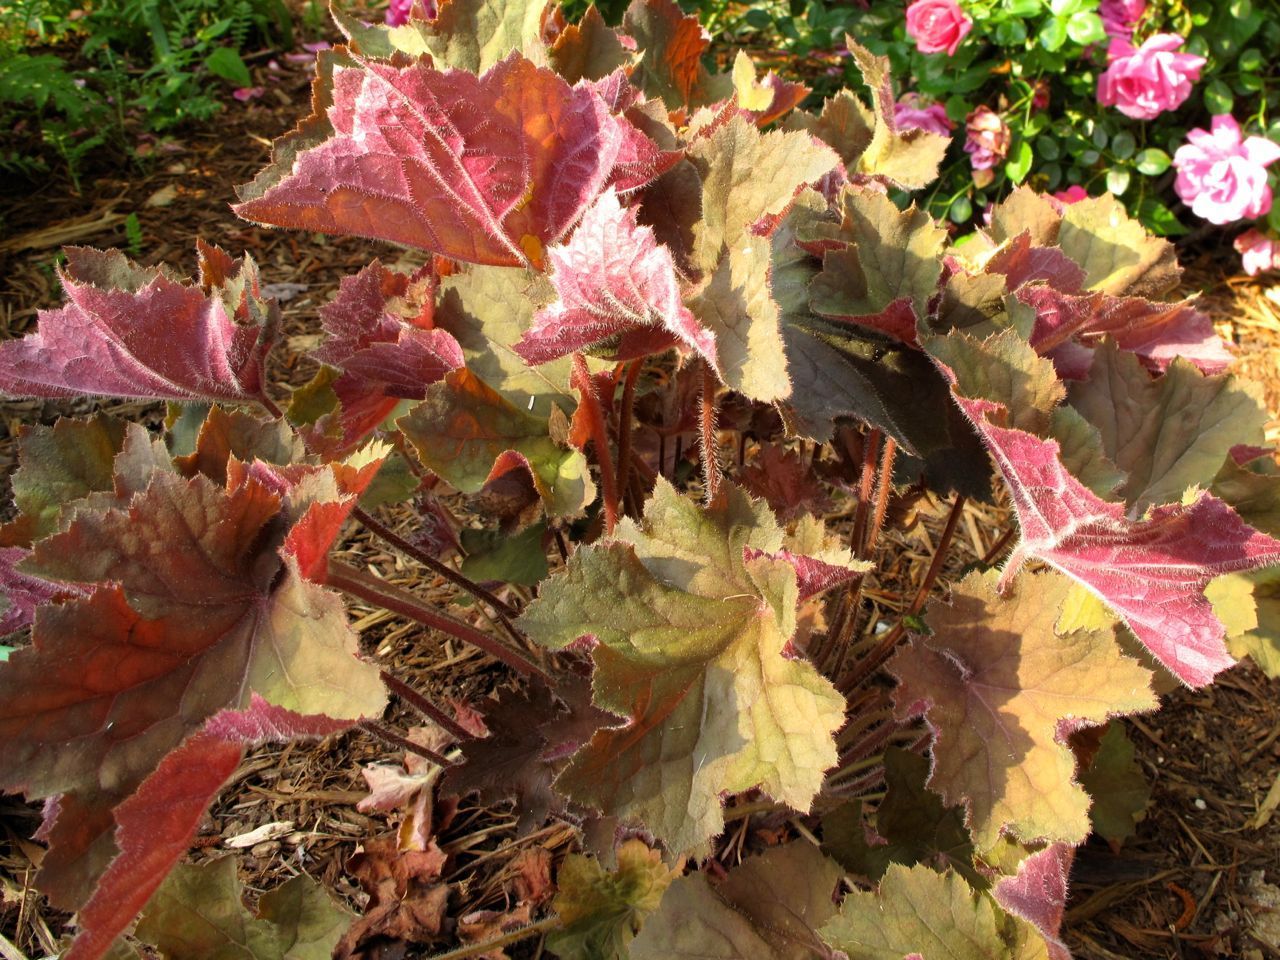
(1073, 194)
(986, 141)
(398, 12)
(1258, 252)
(911, 116)
(1222, 175)
(937, 25)
(1119, 17)
(1143, 83)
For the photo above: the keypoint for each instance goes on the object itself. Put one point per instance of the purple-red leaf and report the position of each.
(614, 280)
(1038, 894)
(155, 825)
(488, 169)
(24, 592)
(1157, 332)
(1152, 572)
(379, 332)
(130, 331)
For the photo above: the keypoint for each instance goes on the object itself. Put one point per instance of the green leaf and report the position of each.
(1019, 163)
(469, 35)
(198, 912)
(469, 434)
(769, 908)
(494, 555)
(1218, 97)
(1152, 162)
(601, 910)
(916, 912)
(1053, 35)
(746, 176)
(1048, 147)
(690, 633)
(224, 62)
(1085, 27)
(1118, 180)
(59, 465)
(907, 158)
(888, 255)
(1160, 219)
(1005, 369)
(1118, 256)
(918, 826)
(1123, 145)
(1166, 434)
(1119, 790)
(998, 679)
(1262, 643)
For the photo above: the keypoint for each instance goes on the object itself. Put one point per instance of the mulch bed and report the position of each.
(1196, 879)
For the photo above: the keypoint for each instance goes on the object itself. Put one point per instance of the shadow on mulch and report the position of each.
(1192, 883)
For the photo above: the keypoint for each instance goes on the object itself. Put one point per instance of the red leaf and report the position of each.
(1156, 332)
(129, 331)
(1152, 572)
(489, 169)
(156, 824)
(614, 280)
(195, 612)
(1022, 263)
(813, 575)
(783, 479)
(368, 338)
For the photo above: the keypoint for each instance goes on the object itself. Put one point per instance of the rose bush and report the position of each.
(1069, 96)
(1223, 175)
(937, 25)
(1144, 82)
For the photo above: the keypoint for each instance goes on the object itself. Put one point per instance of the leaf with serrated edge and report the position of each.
(921, 914)
(690, 648)
(588, 50)
(57, 466)
(1170, 433)
(748, 176)
(601, 910)
(1066, 325)
(131, 331)
(889, 258)
(907, 158)
(157, 823)
(616, 288)
(469, 434)
(995, 680)
(471, 35)
(671, 45)
(487, 169)
(770, 906)
(179, 634)
(1118, 255)
(198, 912)
(1004, 369)
(1038, 894)
(1152, 571)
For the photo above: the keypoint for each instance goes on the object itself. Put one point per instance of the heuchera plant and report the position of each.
(615, 247)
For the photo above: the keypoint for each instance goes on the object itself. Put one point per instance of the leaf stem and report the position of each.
(884, 486)
(625, 425)
(870, 447)
(425, 706)
(400, 601)
(381, 530)
(707, 405)
(487, 946)
(581, 380)
(381, 731)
